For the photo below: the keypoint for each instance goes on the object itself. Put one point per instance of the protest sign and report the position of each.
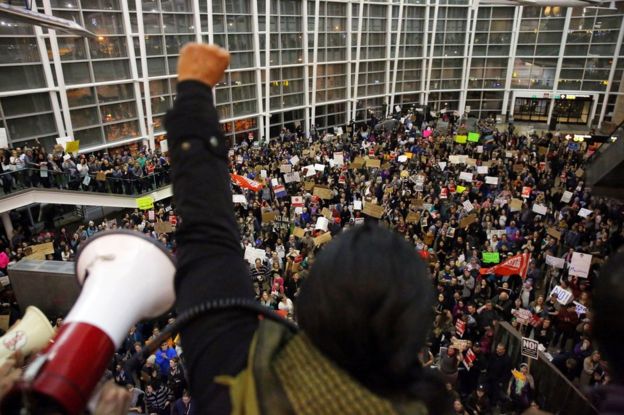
(529, 348)
(563, 296)
(555, 262)
(580, 264)
(323, 192)
(491, 257)
(373, 210)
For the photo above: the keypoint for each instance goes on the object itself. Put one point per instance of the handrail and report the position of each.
(556, 392)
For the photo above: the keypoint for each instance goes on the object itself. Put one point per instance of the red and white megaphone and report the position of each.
(125, 277)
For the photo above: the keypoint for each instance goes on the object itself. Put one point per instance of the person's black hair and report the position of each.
(608, 304)
(368, 306)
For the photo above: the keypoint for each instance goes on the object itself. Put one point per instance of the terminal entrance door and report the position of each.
(572, 111)
(531, 109)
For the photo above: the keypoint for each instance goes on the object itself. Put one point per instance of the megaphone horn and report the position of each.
(125, 277)
(29, 336)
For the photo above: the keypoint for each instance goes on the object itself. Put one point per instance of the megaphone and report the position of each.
(28, 336)
(125, 277)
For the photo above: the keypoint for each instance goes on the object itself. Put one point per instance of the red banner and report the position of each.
(518, 264)
(243, 181)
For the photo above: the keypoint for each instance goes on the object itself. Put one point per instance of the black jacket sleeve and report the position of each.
(210, 260)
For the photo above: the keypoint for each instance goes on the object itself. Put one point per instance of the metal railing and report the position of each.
(13, 181)
(553, 390)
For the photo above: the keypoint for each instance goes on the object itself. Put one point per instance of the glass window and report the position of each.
(89, 137)
(110, 93)
(76, 73)
(19, 50)
(175, 43)
(111, 70)
(80, 97)
(117, 112)
(120, 131)
(105, 47)
(100, 4)
(41, 124)
(178, 23)
(177, 5)
(159, 87)
(25, 104)
(104, 23)
(236, 6)
(71, 48)
(151, 23)
(85, 117)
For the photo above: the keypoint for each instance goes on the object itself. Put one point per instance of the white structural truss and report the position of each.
(426, 76)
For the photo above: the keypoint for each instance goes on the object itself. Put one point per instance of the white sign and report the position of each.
(540, 209)
(402, 158)
(274, 182)
(4, 281)
(251, 254)
(164, 146)
(310, 170)
(321, 223)
(4, 141)
(529, 348)
(442, 165)
(294, 160)
(491, 180)
(479, 149)
(563, 296)
(338, 159)
(319, 167)
(584, 212)
(482, 169)
(357, 205)
(263, 174)
(579, 264)
(555, 262)
(523, 316)
(292, 177)
(580, 308)
(566, 197)
(465, 176)
(239, 199)
(468, 206)
(63, 141)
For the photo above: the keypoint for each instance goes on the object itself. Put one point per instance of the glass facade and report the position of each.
(307, 63)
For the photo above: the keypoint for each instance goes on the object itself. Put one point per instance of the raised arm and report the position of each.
(210, 262)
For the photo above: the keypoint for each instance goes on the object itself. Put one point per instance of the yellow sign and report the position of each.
(145, 203)
(72, 146)
(460, 189)
(461, 139)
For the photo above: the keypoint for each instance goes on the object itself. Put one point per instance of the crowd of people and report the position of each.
(121, 172)
(465, 205)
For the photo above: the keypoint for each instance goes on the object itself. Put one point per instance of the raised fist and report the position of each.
(203, 63)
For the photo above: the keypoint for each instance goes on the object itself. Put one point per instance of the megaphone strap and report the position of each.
(201, 309)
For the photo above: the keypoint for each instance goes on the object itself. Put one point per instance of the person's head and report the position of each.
(164, 346)
(186, 397)
(458, 406)
(500, 349)
(481, 391)
(524, 368)
(383, 321)
(608, 308)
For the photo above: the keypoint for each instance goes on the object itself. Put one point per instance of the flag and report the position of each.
(246, 183)
(280, 191)
(296, 201)
(515, 265)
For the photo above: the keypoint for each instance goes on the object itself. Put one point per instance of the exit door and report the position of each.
(531, 109)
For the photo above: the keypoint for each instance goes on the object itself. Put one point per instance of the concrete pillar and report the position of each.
(8, 225)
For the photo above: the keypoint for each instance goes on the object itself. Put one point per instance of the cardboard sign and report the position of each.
(321, 224)
(373, 163)
(579, 173)
(251, 254)
(299, 232)
(326, 213)
(268, 216)
(540, 209)
(72, 146)
(468, 206)
(100, 176)
(529, 348)
(4, 321)
(517, 168)
(285, 168)
(553, 232)
(308, 186)
(163, 227)
(580, 264)
(357, 163)
(323, 192)
(373, 210)
(460, 327)
(239, 199)
(491, 257)
(566, 197)
(526, 192)
(491, 180)
(523, 316)
(322, 239)
(145, 203)
(467, 221)
(465, 176)
(563, 296)
(412, 217)
(515, 205)
(555, 262)
(584, 212)
(41, 249)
